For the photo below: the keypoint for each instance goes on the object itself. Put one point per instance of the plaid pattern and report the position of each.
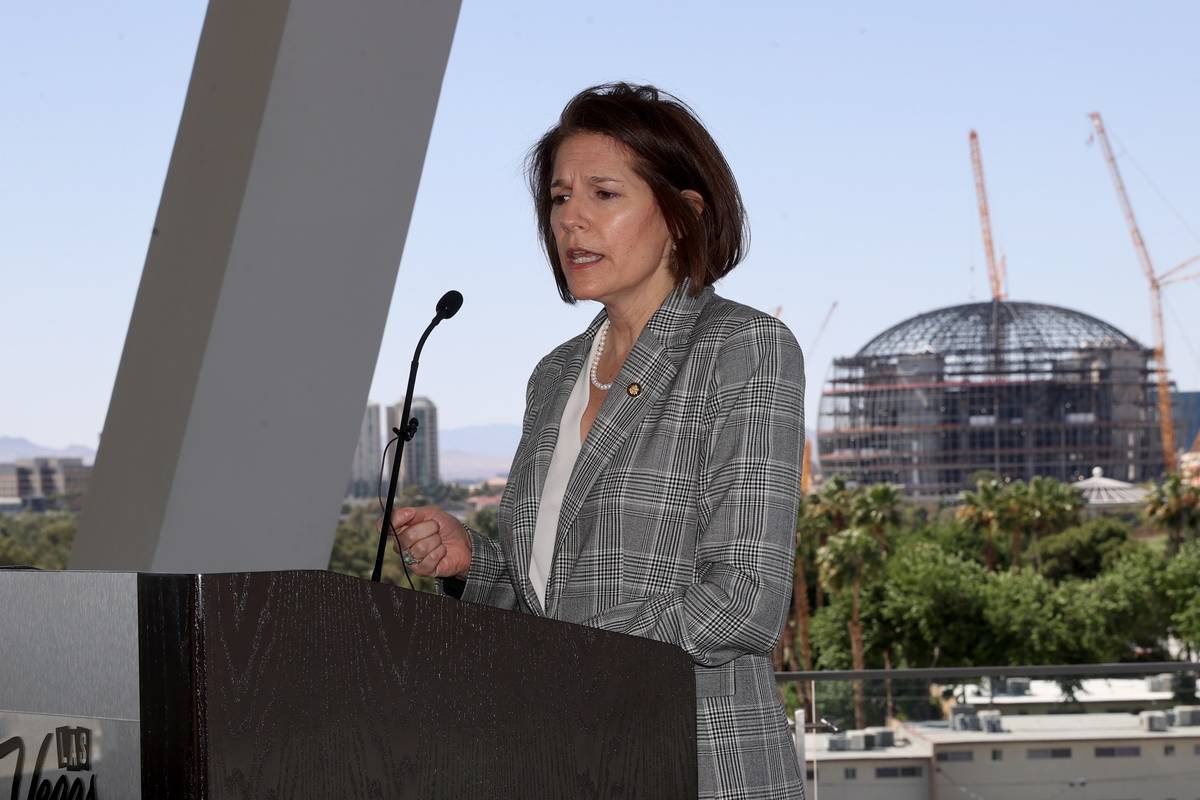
(678, 520)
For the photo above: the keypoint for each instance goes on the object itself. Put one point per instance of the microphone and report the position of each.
(447, 307)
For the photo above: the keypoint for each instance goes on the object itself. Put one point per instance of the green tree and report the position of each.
(1181, 588)
(1082, 551)
(40, 540)
(848, 561)
(1025, 619)
(934, 605)
(1131, 612)
(1174, 507)
(13, 554)
(484, 522)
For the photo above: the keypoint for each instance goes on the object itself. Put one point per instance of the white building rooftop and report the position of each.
(1091, 691)
(1051, 728)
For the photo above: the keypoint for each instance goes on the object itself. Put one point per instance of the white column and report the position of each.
(266, 287)
(800, 756)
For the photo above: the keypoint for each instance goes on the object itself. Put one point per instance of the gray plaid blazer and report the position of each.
(678, 521)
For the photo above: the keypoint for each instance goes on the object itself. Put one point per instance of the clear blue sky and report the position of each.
(845, 122)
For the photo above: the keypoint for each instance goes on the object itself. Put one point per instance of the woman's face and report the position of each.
(613, 242)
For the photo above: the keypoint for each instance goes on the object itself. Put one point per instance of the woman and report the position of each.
(656, 485)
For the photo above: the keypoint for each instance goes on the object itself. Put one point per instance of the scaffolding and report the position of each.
(1015, 389)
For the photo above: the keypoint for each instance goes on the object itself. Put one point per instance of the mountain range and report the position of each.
(470, 453)
(476, 452)
(14, 447)
(467, 454)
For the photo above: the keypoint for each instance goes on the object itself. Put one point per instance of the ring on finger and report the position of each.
(409, 558)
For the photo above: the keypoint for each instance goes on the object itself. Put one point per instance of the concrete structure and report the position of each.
(269, 274)
(419, 465)
(1037, 757)
(1017, 389)
(37, 484)
(368, 456)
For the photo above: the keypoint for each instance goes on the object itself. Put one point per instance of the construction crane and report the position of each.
(997, 270)
(806, 468)
(1165, 420)
(821, 329)
(806, 462)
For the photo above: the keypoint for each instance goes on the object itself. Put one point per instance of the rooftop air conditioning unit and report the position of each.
(964, 718)
(990, 721)
(1161, 683)
(861, 740)
(838, 741)
(1152, 721)
(1187, 716)
(884, 737)
(993, 685)
(1018, 685)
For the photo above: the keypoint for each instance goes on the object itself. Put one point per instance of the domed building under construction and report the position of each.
(1018, 389)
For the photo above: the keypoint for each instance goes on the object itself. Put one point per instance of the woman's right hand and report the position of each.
(437, 541)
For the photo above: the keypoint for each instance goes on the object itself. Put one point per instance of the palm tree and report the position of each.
(849, 560)
(982, 509)
(877, 508)
(1053, 506)
(810, 530)
(832, 504)
(1174, 506)
(1016, 514)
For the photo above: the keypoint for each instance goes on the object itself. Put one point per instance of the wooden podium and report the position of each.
(317, 685)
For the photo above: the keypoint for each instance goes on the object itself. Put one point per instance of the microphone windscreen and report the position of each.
(449, 305)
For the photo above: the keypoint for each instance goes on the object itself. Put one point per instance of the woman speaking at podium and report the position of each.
(655, 488)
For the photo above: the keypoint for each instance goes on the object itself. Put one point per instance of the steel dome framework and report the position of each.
(1018, 389)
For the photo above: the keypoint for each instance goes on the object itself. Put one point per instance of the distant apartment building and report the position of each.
(368, 455)
(1154, 755)
(38, 484)
(419, 464)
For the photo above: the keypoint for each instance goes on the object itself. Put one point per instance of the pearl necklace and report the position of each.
(602, 335)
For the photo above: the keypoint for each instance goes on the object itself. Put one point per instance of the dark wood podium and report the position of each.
(317, 685)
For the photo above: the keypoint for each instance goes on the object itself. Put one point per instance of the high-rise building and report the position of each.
(420, 461)
(364, 472)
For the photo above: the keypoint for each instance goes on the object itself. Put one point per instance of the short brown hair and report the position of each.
(672, 152)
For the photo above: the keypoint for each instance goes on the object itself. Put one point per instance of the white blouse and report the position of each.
(566, 451)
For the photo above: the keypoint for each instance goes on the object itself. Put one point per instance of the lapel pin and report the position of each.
(633, 389)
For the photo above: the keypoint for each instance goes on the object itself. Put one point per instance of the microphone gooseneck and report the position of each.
(447, 307)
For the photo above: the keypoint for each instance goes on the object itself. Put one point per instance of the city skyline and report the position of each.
(846, 126)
